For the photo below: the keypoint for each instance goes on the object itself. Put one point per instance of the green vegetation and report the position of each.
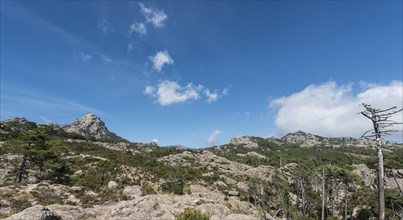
(49, 154)
(192, 214)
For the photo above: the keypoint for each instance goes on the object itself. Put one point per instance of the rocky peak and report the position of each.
(16, 120)
(302, 138)
(88, 125)
(244, 140)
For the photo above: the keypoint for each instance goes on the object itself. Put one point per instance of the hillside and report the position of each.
(84, 171)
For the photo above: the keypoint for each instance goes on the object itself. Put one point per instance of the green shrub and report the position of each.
(364, 214)
(192, 214)
(147, 189)
(19, 204)
(172, 187)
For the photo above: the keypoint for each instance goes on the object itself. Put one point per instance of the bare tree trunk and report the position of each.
(21, 169)
(323, 194)
(381, 190)
(262, 200)
(284, 206)
(345, 203)
(332, 196)
(397, 183)
(303, 195)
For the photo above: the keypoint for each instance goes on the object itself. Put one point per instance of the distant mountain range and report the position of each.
(90, 125)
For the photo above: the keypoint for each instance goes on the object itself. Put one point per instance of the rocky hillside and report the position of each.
(90, 125)
(62, 172)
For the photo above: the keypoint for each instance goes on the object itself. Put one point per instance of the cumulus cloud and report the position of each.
(149, 90)
(160, 59)
(154, 141)
(153, 16)
(170, 92)
(85, 57)
(138, 27)
(106, 59)
(105, 27)
(211, 96)
(332, 110)
(213, 137)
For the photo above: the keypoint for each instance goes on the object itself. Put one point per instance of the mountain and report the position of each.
(304, 139)
(75, 172)
(90, 125)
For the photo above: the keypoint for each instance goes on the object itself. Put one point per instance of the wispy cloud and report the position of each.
(331, 110)
(105, 26)
(170, 92)
(130, 47)
(212, 139)
(85, 57)
(47, 121)
(153, 16)
(211, 96)
(160, 59)
(138, 27)
(106, 59)
(22, 101)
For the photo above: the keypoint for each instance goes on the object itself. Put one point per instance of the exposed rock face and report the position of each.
(35, 212)
(244, 140)
(308, 140)
(88, 125)
(301, 138)
(369, 177)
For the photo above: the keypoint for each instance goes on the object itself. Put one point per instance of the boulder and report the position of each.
(112, 185)
(37, 212)
(239, 217)
(67, 212)
(233, 193)
(132, 191)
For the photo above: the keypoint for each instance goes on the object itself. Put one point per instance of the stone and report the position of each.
(132, 191)
(78, 189)
(242, 186)
(37, 212)
(215, 209)
(233, 193)
(79, 173)
(67, 212)
(239, 217)
(112, 185)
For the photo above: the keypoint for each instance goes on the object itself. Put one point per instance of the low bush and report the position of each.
(192, 214)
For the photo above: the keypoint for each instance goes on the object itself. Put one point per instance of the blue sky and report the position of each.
(198, 73)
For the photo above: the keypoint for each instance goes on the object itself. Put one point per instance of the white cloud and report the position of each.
(213, 137)
(106, 59)
(170, 92)
(211, 96)
(331, 110)
(153, 16)
(85, 57)
(154, 141)
(149, 90)
(226, 91)
(160, 59)
(130, 47)
(138, 27)
(105, 27)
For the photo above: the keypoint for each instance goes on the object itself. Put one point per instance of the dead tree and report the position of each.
(382, 126)
(323, 194)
